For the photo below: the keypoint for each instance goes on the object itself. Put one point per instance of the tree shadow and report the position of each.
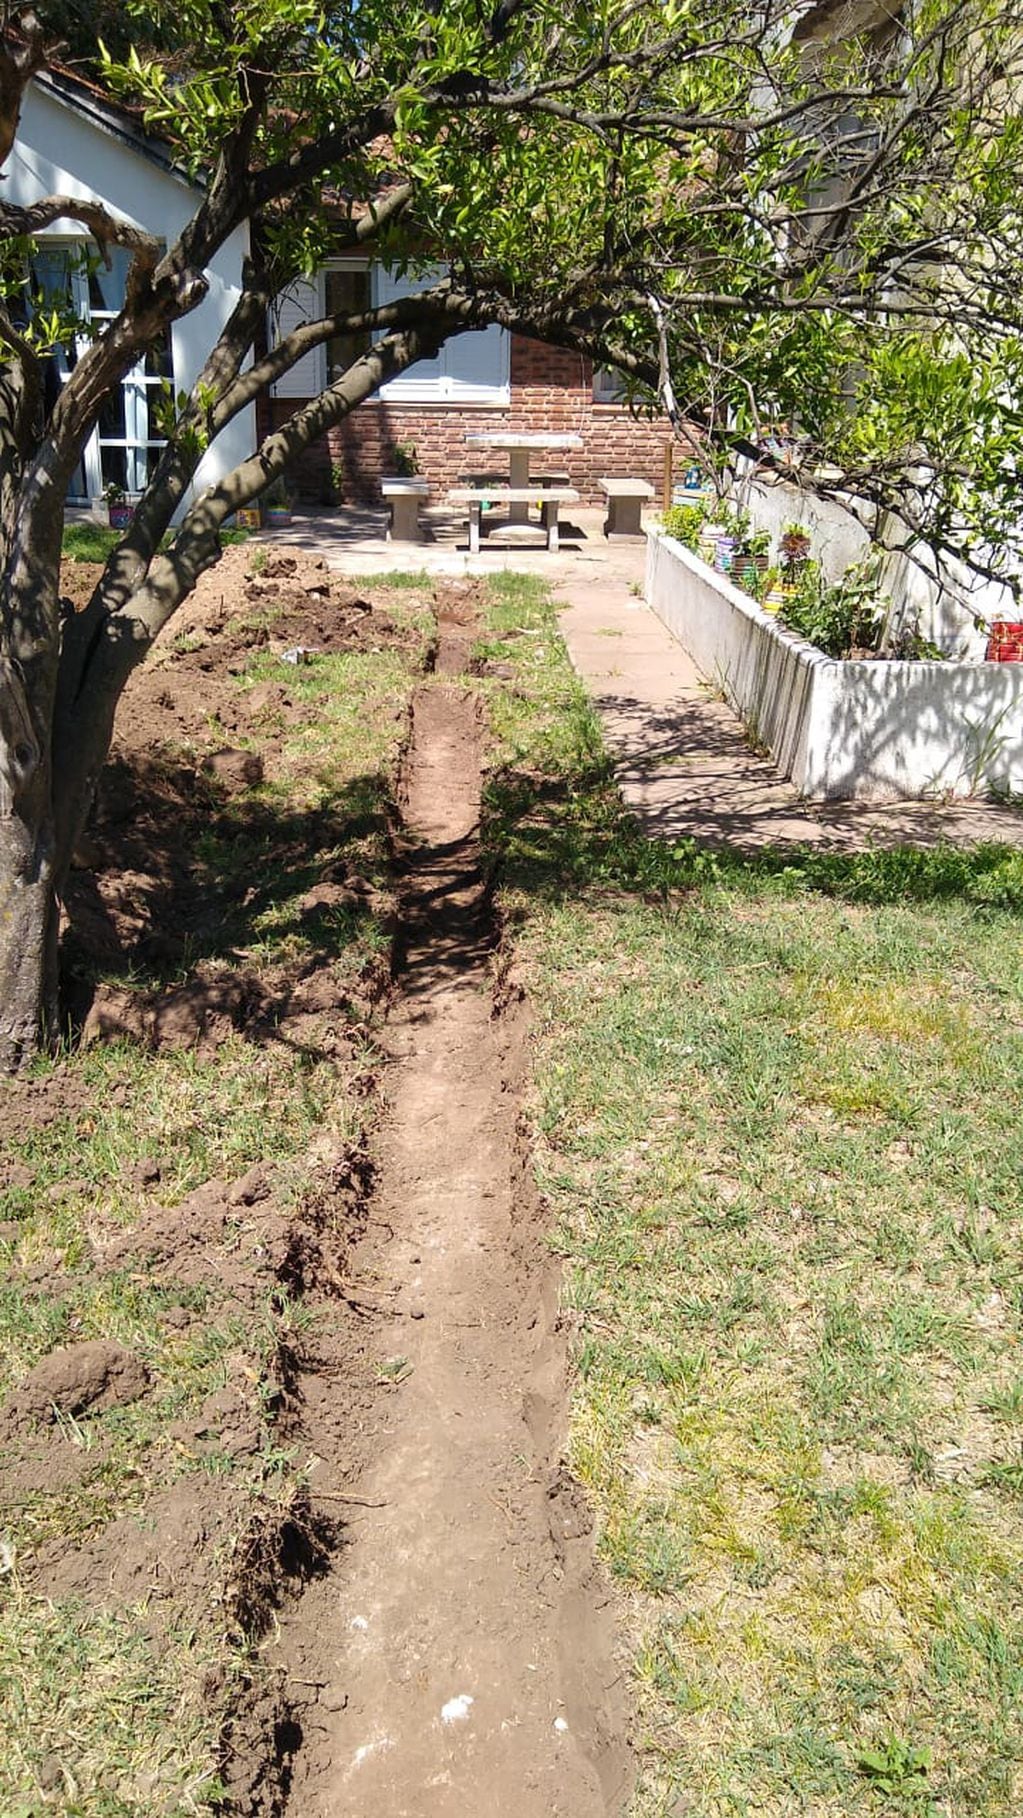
(560, 837)
(228, 901)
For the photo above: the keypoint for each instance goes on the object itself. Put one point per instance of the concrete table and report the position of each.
(519, 447)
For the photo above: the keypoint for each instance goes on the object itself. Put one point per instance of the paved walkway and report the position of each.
(683, 763)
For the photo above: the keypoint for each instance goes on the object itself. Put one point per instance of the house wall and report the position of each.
(60, 152)
(550, 390)
(843, 731)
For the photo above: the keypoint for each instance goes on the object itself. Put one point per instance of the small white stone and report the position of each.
(560, 1725)
(456, 1709)
(358, 1622)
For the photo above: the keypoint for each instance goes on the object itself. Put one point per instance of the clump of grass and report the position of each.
(89, 542)
(779, 1115)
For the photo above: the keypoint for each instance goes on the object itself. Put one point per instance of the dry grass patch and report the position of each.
(779, 1122)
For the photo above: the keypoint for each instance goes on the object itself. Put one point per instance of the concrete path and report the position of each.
(683, 763)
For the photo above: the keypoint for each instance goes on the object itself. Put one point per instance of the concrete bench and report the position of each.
(624, 503)
(477, 497)
(485, 482)
(404, 496)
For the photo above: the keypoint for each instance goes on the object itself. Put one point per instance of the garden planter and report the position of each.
(119, 517)
(248, 517)
(724, 554)
(1005, 644)
(276, 517)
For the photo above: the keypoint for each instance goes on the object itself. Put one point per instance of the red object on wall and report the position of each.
(1005, 644)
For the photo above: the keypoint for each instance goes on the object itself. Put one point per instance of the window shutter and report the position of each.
(471, 368)
(476, 362)
(301, 302)
(386, 289)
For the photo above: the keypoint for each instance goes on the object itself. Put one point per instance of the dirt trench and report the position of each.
(456, 1657)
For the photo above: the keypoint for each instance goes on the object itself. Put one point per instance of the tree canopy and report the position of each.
(797, 226)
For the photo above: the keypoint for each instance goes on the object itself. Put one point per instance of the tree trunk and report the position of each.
(28, 907)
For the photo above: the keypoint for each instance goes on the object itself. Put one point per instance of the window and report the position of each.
(123, 447)
(473, 368)
(608, 386)
(346, 292)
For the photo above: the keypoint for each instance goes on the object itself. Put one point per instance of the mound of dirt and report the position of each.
(80, 1379)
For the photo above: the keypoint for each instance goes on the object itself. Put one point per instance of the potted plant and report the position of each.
(794, 547)
(772, 595)
(120, 509)
(276, 506)
(752, 559)
(405, 457)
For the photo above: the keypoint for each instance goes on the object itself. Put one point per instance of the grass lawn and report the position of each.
(779, 1120)
(87, 541)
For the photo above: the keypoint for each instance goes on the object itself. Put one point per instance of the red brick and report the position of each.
(551, 389)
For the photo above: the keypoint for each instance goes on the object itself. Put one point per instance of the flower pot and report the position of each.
(121, 515)
(276, 517)
(1005, 642)
(248, 517)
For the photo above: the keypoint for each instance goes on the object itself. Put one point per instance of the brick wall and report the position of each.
(550, 390)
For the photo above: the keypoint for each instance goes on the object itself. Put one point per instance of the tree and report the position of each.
(759, 213)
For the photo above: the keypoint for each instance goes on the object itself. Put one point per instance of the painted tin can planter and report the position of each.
(1005, 643)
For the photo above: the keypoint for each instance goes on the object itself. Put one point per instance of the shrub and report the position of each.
(837, 616)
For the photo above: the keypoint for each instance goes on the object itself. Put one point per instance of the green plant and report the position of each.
(896, 1767)
(405, 458)
(114, 493)
(795, 541)
(756, 543)
(838, 616)
(685, 522)
(277, 496)
(337, 478)
(768, 580)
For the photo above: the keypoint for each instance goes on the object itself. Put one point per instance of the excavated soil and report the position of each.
(456, 1657)
(443, 1638)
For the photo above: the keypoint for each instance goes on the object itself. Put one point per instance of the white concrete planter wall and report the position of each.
(842, 730)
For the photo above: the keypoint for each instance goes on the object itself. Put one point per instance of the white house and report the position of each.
(73, 141)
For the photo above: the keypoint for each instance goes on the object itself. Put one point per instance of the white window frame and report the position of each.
(136, 386)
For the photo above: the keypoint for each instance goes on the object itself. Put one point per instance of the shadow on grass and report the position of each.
(557, 837)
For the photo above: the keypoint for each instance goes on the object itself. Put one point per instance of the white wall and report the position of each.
(58, 152)
(842, 730)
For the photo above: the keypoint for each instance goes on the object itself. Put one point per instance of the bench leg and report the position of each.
(550, 512)
(623, 518)
(474, 527)
(405, 526)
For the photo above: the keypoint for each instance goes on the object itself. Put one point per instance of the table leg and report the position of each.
(519, 476)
